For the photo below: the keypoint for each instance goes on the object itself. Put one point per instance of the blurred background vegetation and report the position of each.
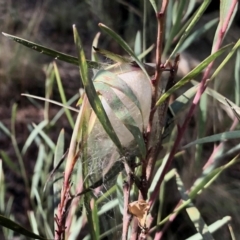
(49, 23)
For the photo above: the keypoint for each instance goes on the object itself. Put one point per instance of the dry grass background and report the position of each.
(22, 70)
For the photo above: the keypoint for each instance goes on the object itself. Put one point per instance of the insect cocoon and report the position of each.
(134, 90)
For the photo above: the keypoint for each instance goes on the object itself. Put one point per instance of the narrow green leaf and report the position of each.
(146, 52)
(181, 188)
(212, 228)
(90, 220)
(58, 154)
(94, 56)
(49, 82)
(7, 160)
(206, 179)
(92, 94)
(177, 15)
(8, 208)
(226, 59)
(83, 127)
(5, 130)
(197, 34)
(144, 28)
(55, 102)
(76, 227)
(61, 111)
(201, 123)
(168, 21)
(33, 221)
(120, 198)
(95, 218)
(154, 5)
(219, 97)
(216, 137)
(138, 44)
(62, 94)
(46, 138)
(16, 147)
(36, 178)
(198, 186)
(182, 102)
(115, 57)
(158, 174)
(8, 223)
(200, 226)
(43, 214)
(52, 53)
(190, 26)
(191, 75)
(105, 195)
(108, 206)
(193, 213)
(33, 135)
(116, 228)
(190, 8)
(124, 45)
(59, 151)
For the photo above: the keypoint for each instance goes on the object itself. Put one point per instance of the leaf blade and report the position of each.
(192, 74)
(92, 94)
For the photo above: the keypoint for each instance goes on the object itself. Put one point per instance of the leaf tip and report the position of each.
(4, 34)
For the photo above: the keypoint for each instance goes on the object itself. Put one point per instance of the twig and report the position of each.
(149, 163)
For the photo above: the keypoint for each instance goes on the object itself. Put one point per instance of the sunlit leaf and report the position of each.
(191, 75)
(112, 56)
(124, 45)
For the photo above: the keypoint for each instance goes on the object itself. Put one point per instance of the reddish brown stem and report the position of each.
(148, 164)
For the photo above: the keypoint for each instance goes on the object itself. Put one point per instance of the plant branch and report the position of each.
(149, 163)
(201, 89)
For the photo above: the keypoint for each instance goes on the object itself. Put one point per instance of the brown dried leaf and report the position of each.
(140, 210)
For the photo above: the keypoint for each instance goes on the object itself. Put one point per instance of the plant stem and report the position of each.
(148, 165)
(201, 89)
